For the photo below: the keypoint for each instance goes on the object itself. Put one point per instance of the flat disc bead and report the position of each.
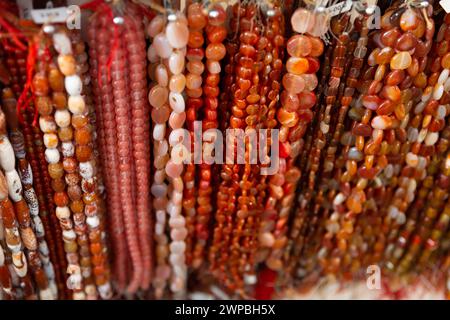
(299, 46)
(302, 20)
(297, 65)
(293, 83)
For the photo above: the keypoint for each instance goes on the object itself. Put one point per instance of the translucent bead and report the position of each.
(302, 20)
(177, 34)
(401, 60)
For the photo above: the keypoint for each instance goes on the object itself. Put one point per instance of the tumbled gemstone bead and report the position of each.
(177, 83)
(288, 119)
(177, 34)
(382, 122)
(371, 102)
(401, 60)
(395, 77)
(384, 56)
(362, 130)
(311, 81)
(302, 20)
(299, 46)
(392, 93)
(390, 37)
(297, 65)
(196, 39)
(158, 96)
(162, 46)
(355, 201)
(196, 18)
(307, 99)
(195, 67)
(409, 20)
(317, 47)
(293, 83)
(445, 62)
(218, 17)
(216, 34)
(176, 62)
(290, 101)
(406, 42)
(215, 51)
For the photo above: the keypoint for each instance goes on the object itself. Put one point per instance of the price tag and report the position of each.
(445, 4)
(340, 7)
(54, 15)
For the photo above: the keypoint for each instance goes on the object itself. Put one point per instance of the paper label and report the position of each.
(54, 15)
(340, 7)
(445, 4)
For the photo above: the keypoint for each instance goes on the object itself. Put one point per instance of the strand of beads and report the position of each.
(332, 164)
(6, 285)
(422, 112)
(271, 85)
(37, 253)
(9, 279)
(95, 261)
(434, 179)
(268, 65)
(294, 116)
(121, 95)
(322, 135)
(247, 101)
(100, 35)
(90, 173)
(215, 51)
(409, 177)
(41, 179)
(435, 208)
(226, 198)
(195, 69)
(177, 34)
(50, 131)
(135, 48)
(158, 98)
(65, 76)
(10, 221)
